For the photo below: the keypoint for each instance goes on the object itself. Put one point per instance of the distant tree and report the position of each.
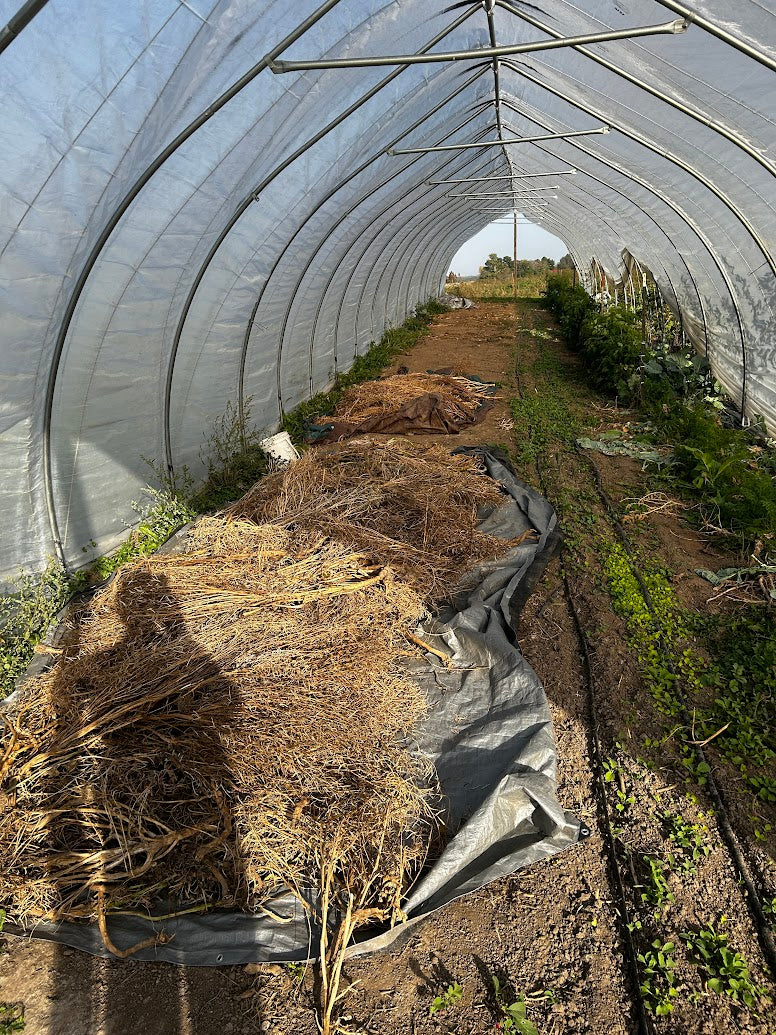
(495, 266)
(565, 263)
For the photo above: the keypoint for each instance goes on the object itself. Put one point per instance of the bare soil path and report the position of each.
(554, 932)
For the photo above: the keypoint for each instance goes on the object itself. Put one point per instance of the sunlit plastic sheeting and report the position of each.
(275, 241)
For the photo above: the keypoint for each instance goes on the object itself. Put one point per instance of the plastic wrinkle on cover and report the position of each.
(489, 734)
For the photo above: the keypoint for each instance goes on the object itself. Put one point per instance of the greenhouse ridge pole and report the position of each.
(105, 235)
(498, 143)
(665, 28)
(19, 22)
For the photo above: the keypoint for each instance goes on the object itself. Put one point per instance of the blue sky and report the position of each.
(532, 243)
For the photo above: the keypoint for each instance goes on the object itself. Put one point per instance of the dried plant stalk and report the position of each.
(229, 722)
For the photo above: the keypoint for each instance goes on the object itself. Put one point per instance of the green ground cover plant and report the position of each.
(449, 996)
(658, 981)
(727, 471)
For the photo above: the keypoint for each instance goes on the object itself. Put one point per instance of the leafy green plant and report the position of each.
(513, 1008)
(726, 972)
(658, 980)
(689, 838)
(450, 996)
(655, 889)
(296, 971)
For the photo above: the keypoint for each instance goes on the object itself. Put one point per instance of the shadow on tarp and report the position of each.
(489, 735)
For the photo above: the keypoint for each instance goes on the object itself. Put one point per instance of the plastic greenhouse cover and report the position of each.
(489, 735)
(182, 228)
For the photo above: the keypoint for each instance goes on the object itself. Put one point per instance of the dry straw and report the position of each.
(229, 722)
(459, 396)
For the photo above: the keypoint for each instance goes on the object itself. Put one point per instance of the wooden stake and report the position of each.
(514, 254)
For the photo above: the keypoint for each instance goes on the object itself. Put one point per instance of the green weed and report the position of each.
(11, 1018)
(25, 615)
(450, 996)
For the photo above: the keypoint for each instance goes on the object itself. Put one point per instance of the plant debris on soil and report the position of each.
(226, 723)
(424, 403)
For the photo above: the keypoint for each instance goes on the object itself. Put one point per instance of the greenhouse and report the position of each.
(354, 611)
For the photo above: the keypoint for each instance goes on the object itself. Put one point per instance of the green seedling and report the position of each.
(725, 971)
(655, 890)
(451, 996)
(296, 971)
(658, 981)
(512, 1008)
(689, 838)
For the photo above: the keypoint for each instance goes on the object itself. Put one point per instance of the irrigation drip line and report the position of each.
(596, 767)
(767, 942)
(596, 754)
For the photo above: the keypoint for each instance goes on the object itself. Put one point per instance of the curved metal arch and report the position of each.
(616, 234)
(720, 33)
(105, 234)
(629, 174)
(319, 205)
(661, 95)
(639, 138)
(373, 219)
(385, 182)
(387, 249)
(406, 261)
(648, 215)
(311, 258)
(366, 247)
(19, 22)
(339, 186)
(332, 275)
(240, 211)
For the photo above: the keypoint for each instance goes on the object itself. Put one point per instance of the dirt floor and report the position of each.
(554, 933)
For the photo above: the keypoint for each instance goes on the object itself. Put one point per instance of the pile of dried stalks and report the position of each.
(461, 395)
(228, 722)
(412, 508)
(417, 403)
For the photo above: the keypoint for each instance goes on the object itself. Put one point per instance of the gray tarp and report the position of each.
(488, 732)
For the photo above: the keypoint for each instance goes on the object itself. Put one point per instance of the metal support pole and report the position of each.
(498, 143)
(20, 21)
(671, 28)
(512, 176)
